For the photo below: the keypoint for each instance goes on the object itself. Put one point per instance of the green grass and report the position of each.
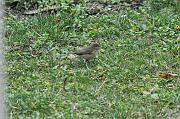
(137, 46)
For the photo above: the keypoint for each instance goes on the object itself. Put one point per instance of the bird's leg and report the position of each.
(87, 61)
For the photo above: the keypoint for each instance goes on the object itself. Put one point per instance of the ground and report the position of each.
(47, 81)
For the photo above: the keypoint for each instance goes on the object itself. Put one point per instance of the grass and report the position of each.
(122, 82)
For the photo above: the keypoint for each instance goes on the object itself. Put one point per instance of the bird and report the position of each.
(89, 52)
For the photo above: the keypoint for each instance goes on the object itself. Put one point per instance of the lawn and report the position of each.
(47, 81)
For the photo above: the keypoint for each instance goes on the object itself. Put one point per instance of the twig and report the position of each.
(64, 85)
(97, 91)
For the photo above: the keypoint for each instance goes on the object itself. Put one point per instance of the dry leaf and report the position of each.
(155, 96)
(71, 56)
(102, 50)
(146, 93)
(151, 91)
(167, 75)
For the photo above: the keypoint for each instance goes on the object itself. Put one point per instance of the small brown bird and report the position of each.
(90, 52)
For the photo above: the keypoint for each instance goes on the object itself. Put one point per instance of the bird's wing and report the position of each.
(84, 51)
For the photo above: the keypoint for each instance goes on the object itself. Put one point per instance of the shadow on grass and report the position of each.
(82, 64)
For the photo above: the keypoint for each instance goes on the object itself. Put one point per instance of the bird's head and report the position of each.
(95, 46)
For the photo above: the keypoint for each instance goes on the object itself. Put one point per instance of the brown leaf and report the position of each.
(167, 75)
(177, 27)
(57, 20)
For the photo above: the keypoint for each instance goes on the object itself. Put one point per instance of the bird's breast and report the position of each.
(90, 56)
